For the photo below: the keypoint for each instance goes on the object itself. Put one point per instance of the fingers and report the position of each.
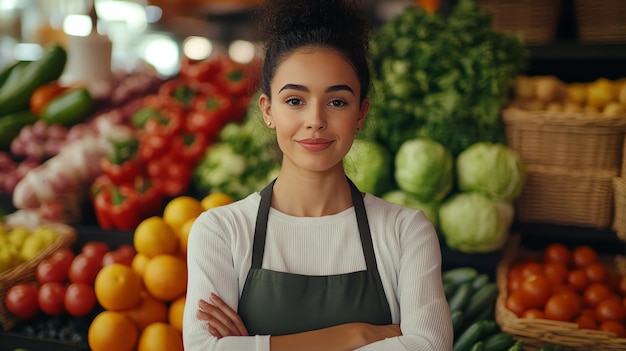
(230, 313)
(223, 321)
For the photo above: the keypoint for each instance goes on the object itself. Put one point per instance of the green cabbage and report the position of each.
(423, 167)
(471, 222)
(491, 168)
(400, 197)
(369, 165)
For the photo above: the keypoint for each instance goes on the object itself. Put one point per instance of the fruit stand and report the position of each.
(511, 163)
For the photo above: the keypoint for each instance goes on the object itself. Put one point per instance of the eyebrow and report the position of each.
(328, 90)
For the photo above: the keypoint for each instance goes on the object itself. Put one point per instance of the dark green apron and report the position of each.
(278, 303)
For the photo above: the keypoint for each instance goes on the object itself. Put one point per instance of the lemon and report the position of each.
(215, 200)
(180, 209)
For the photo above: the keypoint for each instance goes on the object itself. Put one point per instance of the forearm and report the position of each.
(338, 338)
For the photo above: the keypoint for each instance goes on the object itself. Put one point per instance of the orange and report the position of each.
(153, 236)
(165, 277)
(180, 209)
(160, 336)
(175, 313)
(148, 310)
(139, 263)
(183, 234)
(117, 287)
(215, 200)
(111, 330)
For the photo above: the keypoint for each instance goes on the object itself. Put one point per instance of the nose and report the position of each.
(316, 118)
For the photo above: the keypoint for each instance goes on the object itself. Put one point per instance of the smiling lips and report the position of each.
(315, 144)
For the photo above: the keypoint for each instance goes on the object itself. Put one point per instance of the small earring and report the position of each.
(269, 123)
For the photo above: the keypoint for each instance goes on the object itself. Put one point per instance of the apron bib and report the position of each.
(279, 303)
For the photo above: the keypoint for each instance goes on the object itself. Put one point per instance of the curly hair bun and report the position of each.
(279, 17)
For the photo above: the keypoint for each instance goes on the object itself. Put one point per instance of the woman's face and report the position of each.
(315, 108)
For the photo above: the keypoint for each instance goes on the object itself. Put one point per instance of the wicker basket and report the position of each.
(535, 21)
(538, 333)
(619, 218)
(562, 196)
(601, 21)
(25, 272)
(573, 140)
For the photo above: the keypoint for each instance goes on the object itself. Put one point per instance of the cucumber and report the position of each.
(469, 337)
(4, 75)
(69, 108)
(481, 299)
(461, 297)
(457, 320)
(15, 93)
(480, 280)
(11, 125)
(500, 341)
(478, 346)
(448, 289)
(459, 275)
(518, 346)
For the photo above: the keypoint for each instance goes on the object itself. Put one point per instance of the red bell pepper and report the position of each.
(172, 175)
(150, 197)
(159, 115)
(122, 165)
(116, 206)
(209, 113)
(191, 147)
(179, 91)
(236, 78)
(198, 71)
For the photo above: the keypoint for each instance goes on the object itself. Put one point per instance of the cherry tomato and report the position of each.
(84, 269)
(535, 290)
(610, 309)
(583, 255)
(95, 249)
(557, 252)
(51, 298)
(556, 272)
(559, 308)
(613, 327)
(21, 301)
(532, 268)
(533, 313)
(577, 279)
(124, 255)
(51, 271)
(586, 322)
(594, 293)
(596, 272)
(64, 257)
(80, 299)
(575, 300)
(515, 303)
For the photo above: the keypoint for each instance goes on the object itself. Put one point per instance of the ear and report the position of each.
(365, 108)
(265, 106)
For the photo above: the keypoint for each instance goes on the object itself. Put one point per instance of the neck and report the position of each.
(312, 195)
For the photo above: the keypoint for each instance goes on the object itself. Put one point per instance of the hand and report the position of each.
(223, 321)
(369, 333)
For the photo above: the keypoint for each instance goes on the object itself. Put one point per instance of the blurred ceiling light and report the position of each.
(11, 4)
(77, 25)
(197, 48)
(27, 52)
(242, 51)
(133, 14)
(161, 52)
(153, 13)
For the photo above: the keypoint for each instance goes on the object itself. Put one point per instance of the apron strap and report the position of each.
(258, 245)
(364, 228)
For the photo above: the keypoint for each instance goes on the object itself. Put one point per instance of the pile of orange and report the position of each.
(569, 285)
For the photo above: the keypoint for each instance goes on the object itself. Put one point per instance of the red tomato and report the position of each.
(583, 255)
(123, 255)
(84, 269)
(575, 300)
(577, 279)
(586, 322)
(557, 252)
(556, 272)
(535, 290)
(95, 249)
(594, 293)
(613, 327)
(51, 271)
(533, 313)
(21, 301)
(596, 272)
(51, 298)
(80, 299)
(515, 303)
(559, 308)
(532, 268)
(621, 285)
(64, 257)
(610, 310)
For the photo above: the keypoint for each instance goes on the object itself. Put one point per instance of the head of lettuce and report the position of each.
(369, 165)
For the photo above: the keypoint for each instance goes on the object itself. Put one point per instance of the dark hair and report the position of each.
(339, 25)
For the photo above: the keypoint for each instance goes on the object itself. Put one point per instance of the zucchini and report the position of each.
(469, 337)
(480, 280)
(478, 346)
(461, 297)
(20, 84)
(517, 346)
(4, 75)
(459, 275)
(11, 125)
(500, 341)
(481, 299)
(457, 321)
(69, 108)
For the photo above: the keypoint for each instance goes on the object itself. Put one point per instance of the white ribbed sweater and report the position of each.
(407, 253)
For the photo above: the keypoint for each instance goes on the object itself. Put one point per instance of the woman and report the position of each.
(311, 263)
